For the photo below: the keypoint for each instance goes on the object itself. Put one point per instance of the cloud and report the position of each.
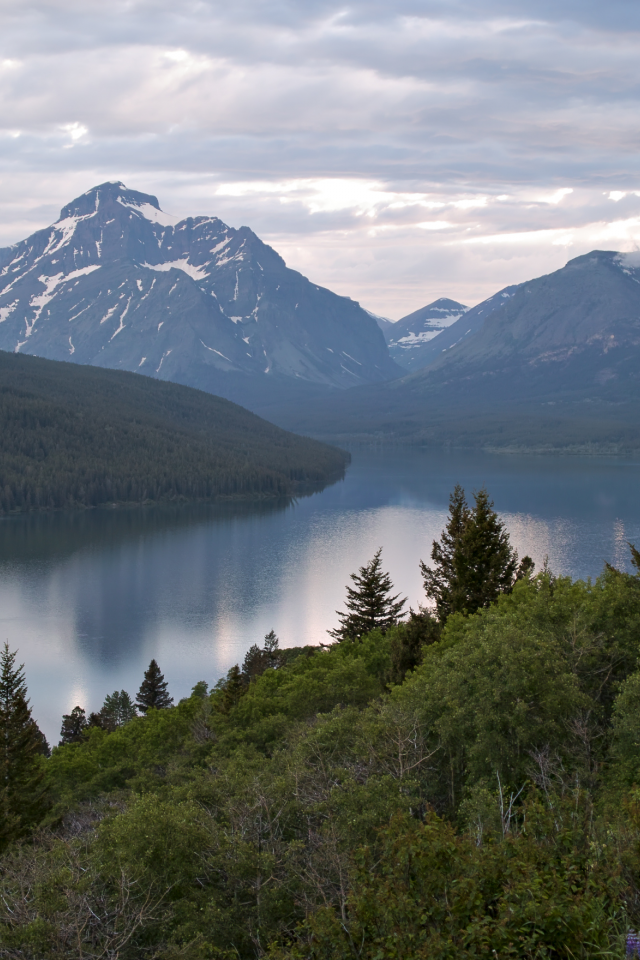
(392, 152)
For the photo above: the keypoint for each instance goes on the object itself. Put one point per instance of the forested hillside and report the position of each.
(458, 785)
(73, 435)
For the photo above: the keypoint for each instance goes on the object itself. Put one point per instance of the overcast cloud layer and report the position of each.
(393, 152)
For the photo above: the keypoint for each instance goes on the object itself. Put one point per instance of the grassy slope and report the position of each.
(76, 435)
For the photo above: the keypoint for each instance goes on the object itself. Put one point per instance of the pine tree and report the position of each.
(474, 560)
(370, 605)
(257, 660)
(233, 688)
(22, 801)
(118, 708)
(153, 691)
(272, 648)
(443, 583)
(73, 726)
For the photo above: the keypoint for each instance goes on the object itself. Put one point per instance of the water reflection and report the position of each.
(90, 597)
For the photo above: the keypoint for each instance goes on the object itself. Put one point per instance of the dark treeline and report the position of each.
(82, 436)
(457, 784)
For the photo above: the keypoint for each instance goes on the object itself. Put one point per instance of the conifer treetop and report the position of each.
(153, 692)
(474, 561)
(370, 605)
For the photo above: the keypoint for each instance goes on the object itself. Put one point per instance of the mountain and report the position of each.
(550, 363)
(116, 282)
(74, 435)
(574, 333)
(409, 339)
(384, 323)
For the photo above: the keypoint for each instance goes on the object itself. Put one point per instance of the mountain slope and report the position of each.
(409, 338)
(116, 282)
(555, 363)
(574, 333)
(75, 435)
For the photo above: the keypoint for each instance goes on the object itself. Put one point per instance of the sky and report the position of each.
(394, 152)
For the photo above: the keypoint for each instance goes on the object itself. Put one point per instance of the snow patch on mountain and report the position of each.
(106, 265)
(149, 212)
(196, 273)
(5, 311)
(414, 338)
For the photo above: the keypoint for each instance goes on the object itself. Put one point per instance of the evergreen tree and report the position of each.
(21, 743)
(233, 688)
(153, 692)
(473, 562)
(258, 660)
(43, 744)
(73, 726)
(370, 605)
(444, 583)
(118, 708)
(408, 643)
(100, 720)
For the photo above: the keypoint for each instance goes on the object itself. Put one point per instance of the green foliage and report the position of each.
(22, 800)
(544, 891)
(474, 561)
(118, 708)
(408, 642)
(258, 660)
(153, 692)
(457, 791)
(370, 605)
(232, 688)
(74, 725)
(75, 435)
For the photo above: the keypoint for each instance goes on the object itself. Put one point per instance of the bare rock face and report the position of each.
(116, 282)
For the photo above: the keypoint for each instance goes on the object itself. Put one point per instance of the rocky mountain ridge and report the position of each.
(408, 339)
(555, 360)
(116, 282)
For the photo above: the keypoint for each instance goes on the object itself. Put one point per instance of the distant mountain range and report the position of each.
(116, 282)
(553, 362)
(409, 338)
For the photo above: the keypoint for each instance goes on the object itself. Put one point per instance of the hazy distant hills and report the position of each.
(551, 362)
(116, 282)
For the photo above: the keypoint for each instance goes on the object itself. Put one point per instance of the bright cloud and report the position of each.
(394, 152)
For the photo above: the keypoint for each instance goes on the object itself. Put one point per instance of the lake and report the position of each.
(89, 598)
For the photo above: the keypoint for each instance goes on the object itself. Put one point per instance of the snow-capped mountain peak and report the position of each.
(408, 337)
(117, 282)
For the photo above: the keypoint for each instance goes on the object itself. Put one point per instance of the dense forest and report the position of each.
(459, 783)
(74, 435)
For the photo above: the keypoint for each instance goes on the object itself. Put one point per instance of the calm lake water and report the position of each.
(89, 598)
